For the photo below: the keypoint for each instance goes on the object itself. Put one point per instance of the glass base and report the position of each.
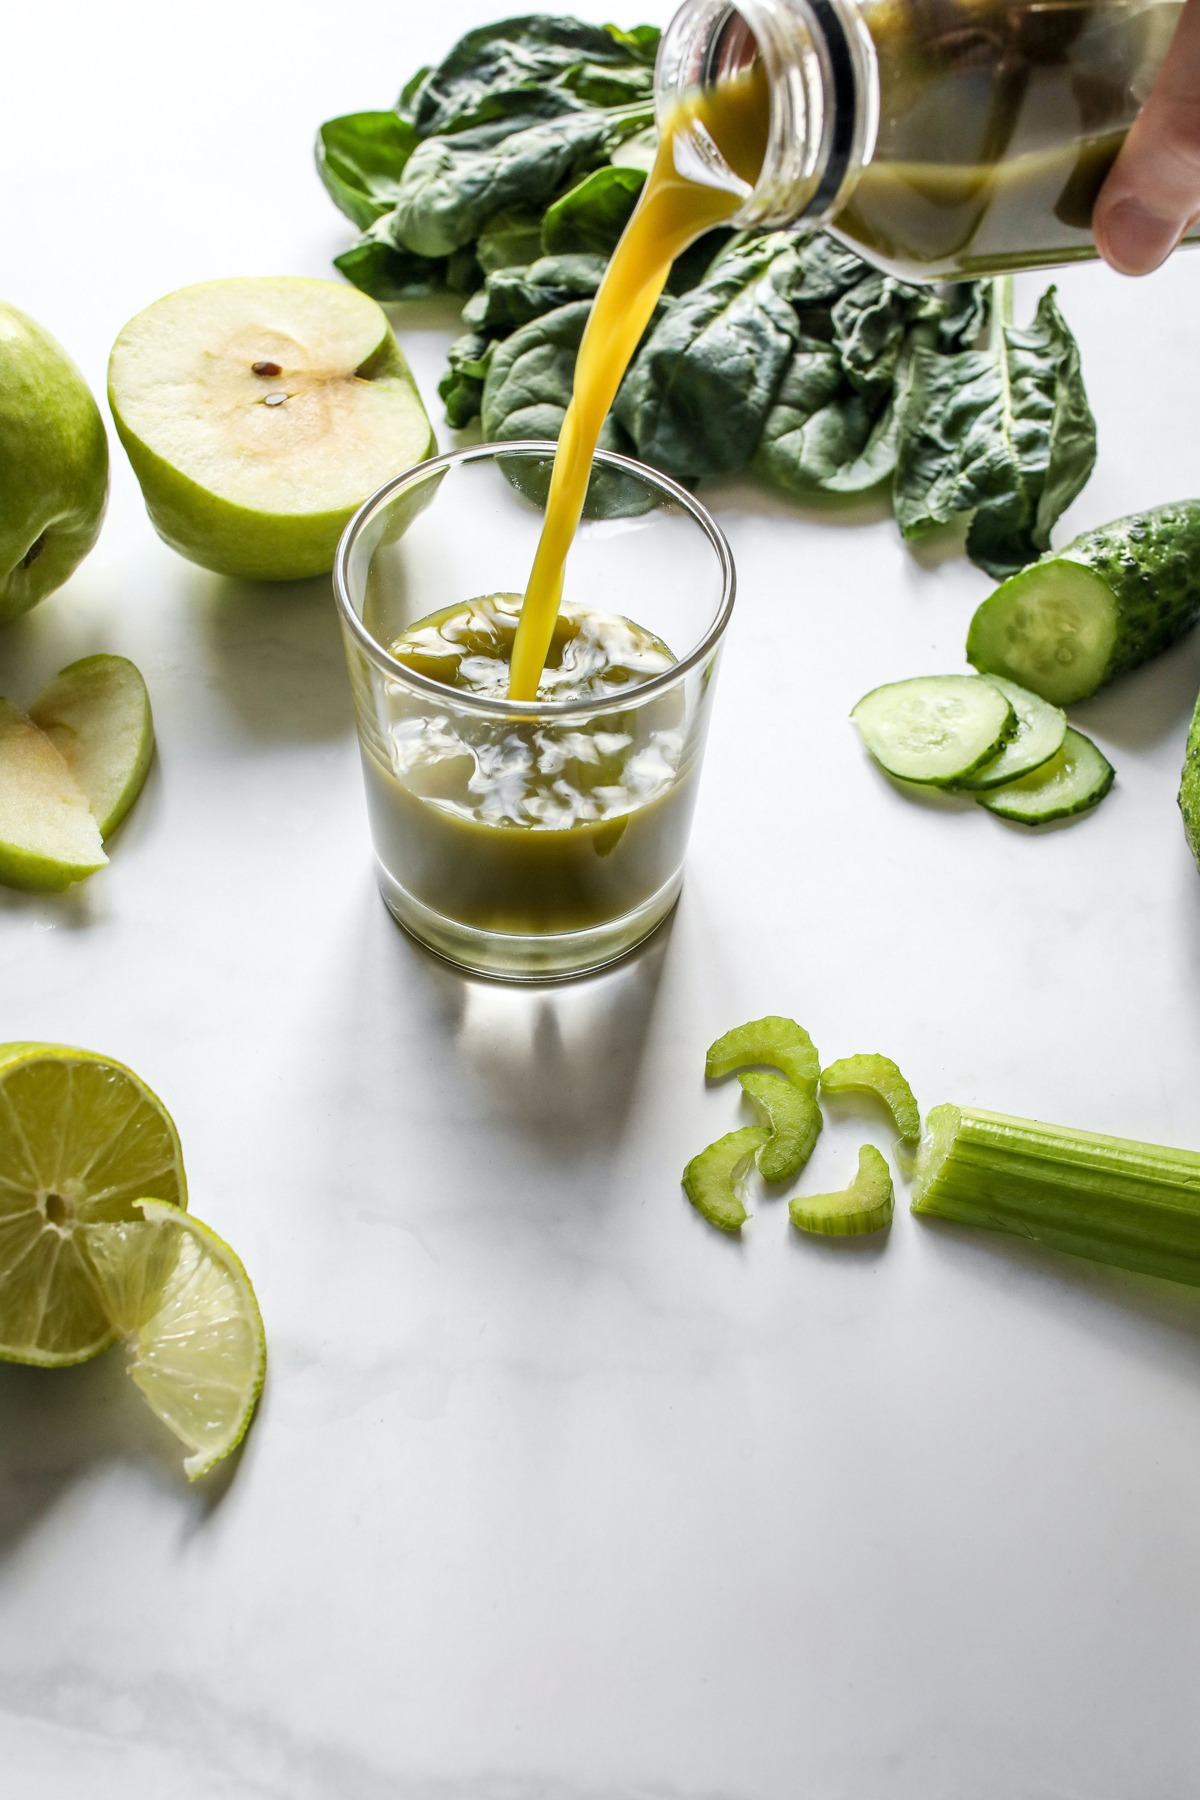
(508, 956)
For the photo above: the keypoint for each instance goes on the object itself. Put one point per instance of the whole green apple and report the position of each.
(53, 464)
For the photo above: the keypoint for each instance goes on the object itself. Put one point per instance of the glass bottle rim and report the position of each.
(543, 449)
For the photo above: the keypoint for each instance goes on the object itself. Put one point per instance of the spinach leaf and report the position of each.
(461, 387)
(592, 215)
(532, 68)
(512, 297)
(376, 266)
(509, 240)
(870, 322)
(361, 158)
(452, 186)
(698, 392)
(823, 435)
(1005, 432)
(526, 393)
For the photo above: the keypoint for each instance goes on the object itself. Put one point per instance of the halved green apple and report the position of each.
(96, 713)
(259, 414)
(48, 836)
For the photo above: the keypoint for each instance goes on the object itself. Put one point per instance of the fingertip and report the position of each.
(1132, 239)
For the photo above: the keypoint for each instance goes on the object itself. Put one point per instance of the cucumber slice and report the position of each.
(1041, 729)
(866, 1205)
(1113, 598)
(774, 1040)
(711, 1179)
(1072, 782)
(792, 1117)
(935, 729)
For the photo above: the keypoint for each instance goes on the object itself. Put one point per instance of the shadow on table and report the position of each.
(560, 1061)
(57, 1425)
(1114, 1304)
(276, 650)
(1142, 708)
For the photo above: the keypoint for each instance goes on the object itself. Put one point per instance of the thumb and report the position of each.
(1152, 193)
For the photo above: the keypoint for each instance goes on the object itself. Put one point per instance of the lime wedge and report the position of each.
(186, 1305)
(81, 1139)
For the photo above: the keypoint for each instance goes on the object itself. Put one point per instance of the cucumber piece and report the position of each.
(1189, 787)
(1081, 616)
(877, 1075)
(780, 1042)
(935, 729)
(711, 1179)
(1072, 782)
(1041, 729)
(866, 1205)
(792, 1117)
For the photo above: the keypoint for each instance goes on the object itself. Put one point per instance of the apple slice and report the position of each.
(48, 836)
(259, 415)
(96, 713)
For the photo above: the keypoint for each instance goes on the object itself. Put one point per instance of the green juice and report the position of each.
(997, 126)
(531, 826)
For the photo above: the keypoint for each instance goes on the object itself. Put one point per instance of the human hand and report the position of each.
(1152, 193)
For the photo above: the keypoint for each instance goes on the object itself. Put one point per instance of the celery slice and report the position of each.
(877, 1075)
(866, 1205)
(1109, 1199)
(782, 1043)
(792, 1117)
(711, 1179)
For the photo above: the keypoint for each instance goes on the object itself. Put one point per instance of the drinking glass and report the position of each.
(531, 840)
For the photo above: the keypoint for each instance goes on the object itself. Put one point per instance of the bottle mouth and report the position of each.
(819, 64)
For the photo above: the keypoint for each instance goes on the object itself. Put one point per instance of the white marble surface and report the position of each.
(554, 1494)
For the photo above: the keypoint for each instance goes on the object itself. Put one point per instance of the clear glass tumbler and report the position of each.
(538, 839)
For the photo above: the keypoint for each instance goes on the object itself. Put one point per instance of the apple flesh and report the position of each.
(259, 415)
(48, 836)
(97, 715)
(53, 464)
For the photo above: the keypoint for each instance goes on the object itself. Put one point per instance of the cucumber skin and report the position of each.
(1189, 787)
(1151, 561)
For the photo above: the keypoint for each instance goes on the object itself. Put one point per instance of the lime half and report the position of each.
(81, 1139)
(185, 1303)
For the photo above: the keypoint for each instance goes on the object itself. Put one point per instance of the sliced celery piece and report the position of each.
(877, 1075)
(1109, 1199)
(792, 1117)
(866, 1205)
(780, 1042)
(710, 1180)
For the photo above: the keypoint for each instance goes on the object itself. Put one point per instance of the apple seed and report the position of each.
(266, 368)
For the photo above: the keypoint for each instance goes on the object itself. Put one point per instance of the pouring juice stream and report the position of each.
(674, 209)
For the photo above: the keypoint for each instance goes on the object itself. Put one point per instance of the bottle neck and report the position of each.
(823, 83)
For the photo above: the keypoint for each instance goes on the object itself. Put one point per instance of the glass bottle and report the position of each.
(941, 139)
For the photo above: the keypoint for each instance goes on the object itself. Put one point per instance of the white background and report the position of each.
(554, 1493)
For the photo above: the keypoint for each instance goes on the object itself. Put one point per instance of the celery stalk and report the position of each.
(1109, 1199)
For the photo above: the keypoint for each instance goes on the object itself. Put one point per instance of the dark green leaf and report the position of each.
(822, 435)
(512, 297)
(376, 266)
(1005, 433)
(361, 158)
(509, 240)
(689, 269)
(464, 273)
(593, 214)
(461, 387)
(452, 186)
(531, 68)
(698, 392)
(410, 92)
(526, 394)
